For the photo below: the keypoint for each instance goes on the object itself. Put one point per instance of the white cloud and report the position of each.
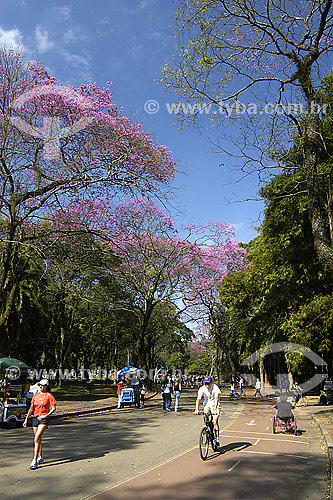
(103, 26)
(136, 51)
(158, 36)
(11, 39)
(42, 37)
(75, 59)
(73, 34)
(143, 4)
(80, 64)
(64, 12)
(69, 36)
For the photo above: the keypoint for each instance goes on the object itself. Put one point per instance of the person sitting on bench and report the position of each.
(284, 408)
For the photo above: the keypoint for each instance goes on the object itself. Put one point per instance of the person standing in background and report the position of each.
(177, 387)
(241, 385)
(121, 385)
(143, 392)
(136, 385)
(233, 393)
(166, 393)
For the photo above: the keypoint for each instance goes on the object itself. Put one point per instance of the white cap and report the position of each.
(44, 381)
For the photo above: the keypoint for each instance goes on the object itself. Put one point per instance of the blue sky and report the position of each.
(127, 42)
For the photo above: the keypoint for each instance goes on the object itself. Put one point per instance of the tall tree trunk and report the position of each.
(5, 340)
(289, 373)
(311, 146)
(217, 363)
(61, 355)
(263, 375)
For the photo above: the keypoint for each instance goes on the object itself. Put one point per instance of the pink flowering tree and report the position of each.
(60, 143)
(153, 262)
(196, 349)
(260, 64)
(160, 266)
(200, 357)
(219, 255)
(161, 270)
(215, 253)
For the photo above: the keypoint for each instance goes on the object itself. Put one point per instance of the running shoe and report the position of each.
(40, 460)
(33, 465)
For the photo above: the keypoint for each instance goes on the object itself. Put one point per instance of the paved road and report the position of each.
(251, 464)
(94, 454)
(88, 454)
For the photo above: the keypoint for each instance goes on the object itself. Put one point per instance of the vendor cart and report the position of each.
(127, 397)
(12, 413)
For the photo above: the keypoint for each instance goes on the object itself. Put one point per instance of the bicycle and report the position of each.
(234, 395)
(207, 436)
(303, 401)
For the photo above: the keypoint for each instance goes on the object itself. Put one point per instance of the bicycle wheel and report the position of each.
(204, 443)
(274, 425)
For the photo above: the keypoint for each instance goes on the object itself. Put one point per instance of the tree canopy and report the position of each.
(60, 143)
(260, 63)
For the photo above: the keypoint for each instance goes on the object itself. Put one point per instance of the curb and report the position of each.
(79, 413)
(329, 443)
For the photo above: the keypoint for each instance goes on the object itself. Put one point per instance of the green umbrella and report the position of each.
(12, 364)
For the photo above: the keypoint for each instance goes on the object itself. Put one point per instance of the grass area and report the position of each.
(77, 390)
(84, 391)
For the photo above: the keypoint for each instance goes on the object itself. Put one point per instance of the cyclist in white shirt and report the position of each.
(211, 394)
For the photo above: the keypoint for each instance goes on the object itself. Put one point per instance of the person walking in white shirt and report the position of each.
(258, 387)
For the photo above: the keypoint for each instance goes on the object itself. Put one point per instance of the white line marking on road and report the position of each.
(255, 444)
(251, 432)
(148, 470)
(234, 466)
(267, 428)
(252, 422)
(293, 441)
(276, 454)
(242, 447)
(140, 474)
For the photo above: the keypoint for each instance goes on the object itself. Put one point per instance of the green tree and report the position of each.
(263, 299)
(59, 143)
(261, 52)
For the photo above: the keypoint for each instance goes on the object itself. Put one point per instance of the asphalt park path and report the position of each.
(152, 454)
